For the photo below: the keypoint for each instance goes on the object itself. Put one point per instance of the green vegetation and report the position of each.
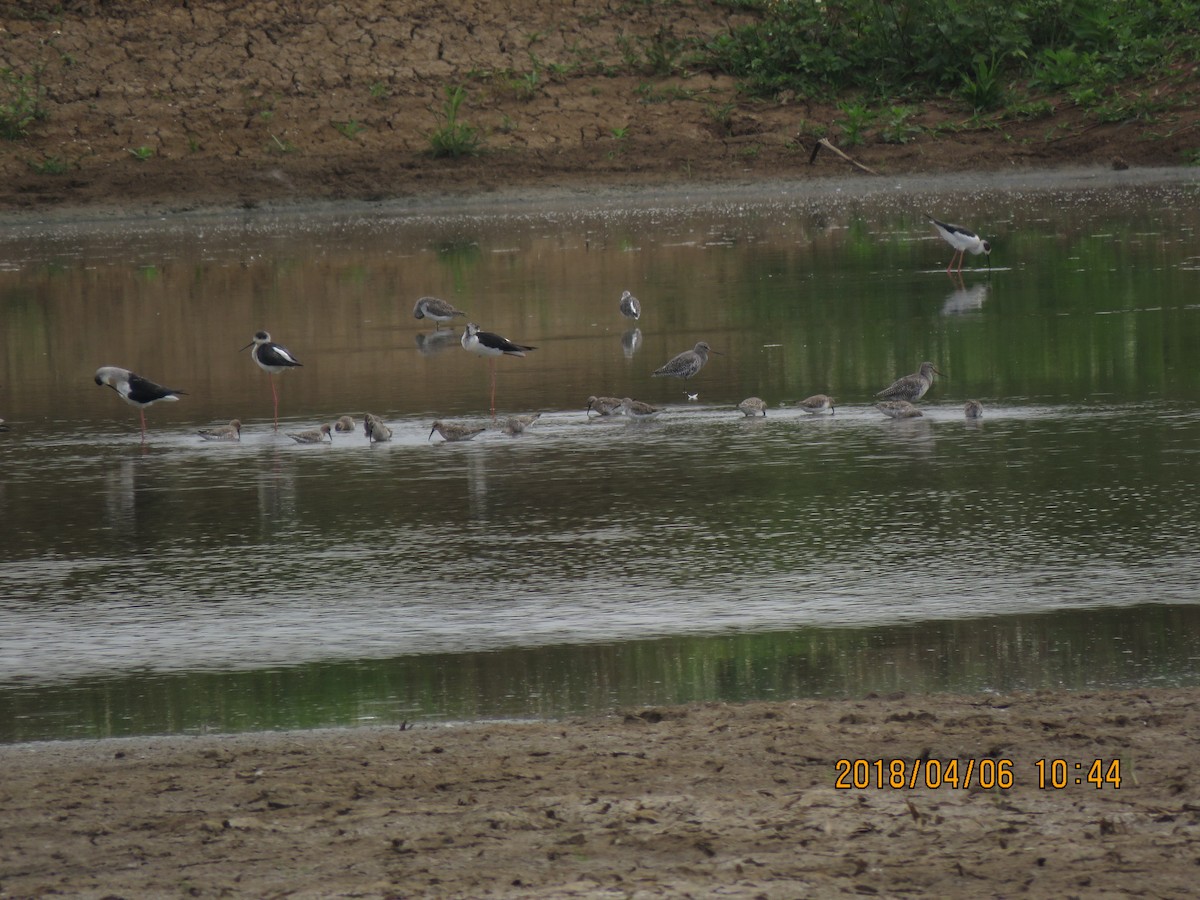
(141, 154)
(454, 138)
(20, 103)
(980, 51)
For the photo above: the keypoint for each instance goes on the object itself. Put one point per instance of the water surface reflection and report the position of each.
(590, 561)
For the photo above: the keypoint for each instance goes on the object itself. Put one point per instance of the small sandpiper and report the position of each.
(630, 307)
(375, 429)
(451, 432)
(817, 403)
(752, 406)
(437, 309)
(973, 409)
(638, 411)
(604, 406)
(345, 423)
(230, 432)
(515, 425)
(685, 364)
(898, 409)
(911, 387)
(314, 436)
(135, 390)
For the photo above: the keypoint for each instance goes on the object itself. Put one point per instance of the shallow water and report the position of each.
(178, 585)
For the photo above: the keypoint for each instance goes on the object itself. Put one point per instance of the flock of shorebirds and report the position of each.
(896, 401)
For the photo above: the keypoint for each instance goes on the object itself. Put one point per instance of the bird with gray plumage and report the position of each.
(752, 406)
(898, 409)
(230, 432)
(453, 432)
(973, 409)
(344, 424)
(911, 387)
(437, 309)
(604, 406)
(314, 436)
(630, 307)
(685, 364)
(375, 429)
(639, 411)
(515, 425)
(817, 403)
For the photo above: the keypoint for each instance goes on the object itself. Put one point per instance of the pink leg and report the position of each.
(275, 398)
(492, 366)
(142, 413)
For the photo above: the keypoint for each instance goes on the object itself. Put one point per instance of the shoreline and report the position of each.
(740, 799)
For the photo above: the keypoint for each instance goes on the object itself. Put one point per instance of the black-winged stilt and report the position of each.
(230, 432)
(135, 390)
(898, 409)
(817, 403)
(962, 240)
(752, 406)
(484, 343)
(630, 307)
(911, 387)
(686, 364)
(452, 432)
(437, 309)
(272, 358)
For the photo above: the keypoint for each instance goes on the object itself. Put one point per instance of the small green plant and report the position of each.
(856, 119)
(349, 130)
(20, 103)
(142, 153)
(722, 114)
(378, 91)
(454, 138)
(896, 128)
(620, 132)
(982, 89)
(51, 165)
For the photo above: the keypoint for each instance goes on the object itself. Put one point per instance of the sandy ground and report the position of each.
(179, 106)
(186, 105)
(775, 800)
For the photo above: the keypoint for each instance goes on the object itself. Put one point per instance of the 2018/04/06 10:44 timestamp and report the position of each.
(986, 773)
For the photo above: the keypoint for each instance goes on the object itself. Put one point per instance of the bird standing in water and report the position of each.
(230, 432)
(630, 307)
(817, 403)
(437, 309)
(484, 343)
(685, 364)
(911, 387)
(272, 358)
(135, 390)
(962, 240)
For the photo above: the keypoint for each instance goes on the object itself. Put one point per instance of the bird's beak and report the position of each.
(431, 431)
(718, 352)
(247, 347)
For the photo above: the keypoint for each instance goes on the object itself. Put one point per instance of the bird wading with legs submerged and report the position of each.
(272, 358)
(484, 343)
(963, 240)
(135, 390)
